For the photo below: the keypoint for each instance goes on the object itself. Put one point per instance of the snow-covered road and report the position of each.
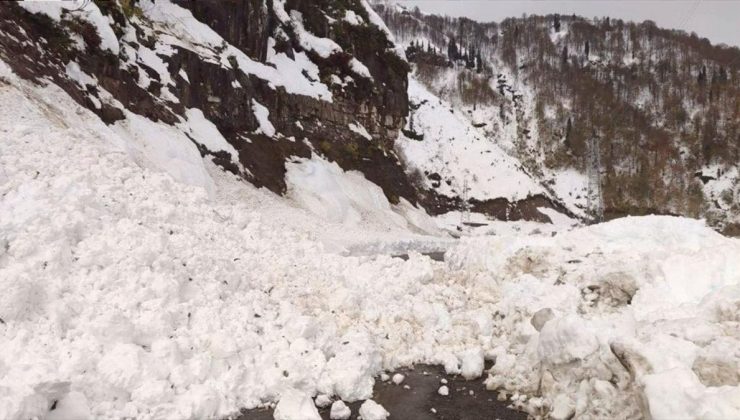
(127, 294)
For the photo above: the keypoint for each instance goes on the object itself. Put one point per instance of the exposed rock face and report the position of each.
(376, 101)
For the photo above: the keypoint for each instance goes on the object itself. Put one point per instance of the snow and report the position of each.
(141, 281)
(323, 188)
(378, 21)
(75, 73)
(398, 378)
(152, 60)
(359, 68)
(370, 410)
(471, 361)
(443, 391)
(339, 411)
(163, 147)
(205, 133)
(262, 114)
(176, 26)
(296, 405)
(455, 150)
(87, 11)
(353, 18)
(324, 47)
(323, 400)
(361, 130)
(571, 187)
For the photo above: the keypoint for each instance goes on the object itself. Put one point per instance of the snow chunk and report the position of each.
(262, 113)
(398, 378)
(443, 391)
(360, 69)
(370, 410)
(322, 400)
(340, 411)
(353, 18)
(564, 340)
(296, 405)
(472, 363)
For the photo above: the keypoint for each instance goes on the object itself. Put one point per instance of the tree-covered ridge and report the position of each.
(658, 109)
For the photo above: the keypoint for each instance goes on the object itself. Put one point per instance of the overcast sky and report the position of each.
(718, 20)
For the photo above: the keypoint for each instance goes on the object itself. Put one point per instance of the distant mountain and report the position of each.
(614, 117)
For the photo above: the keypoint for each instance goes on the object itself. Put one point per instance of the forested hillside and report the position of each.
(618, 117)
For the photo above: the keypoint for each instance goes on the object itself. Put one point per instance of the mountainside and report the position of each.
(614, 117)
(256, 86)
(256, 72)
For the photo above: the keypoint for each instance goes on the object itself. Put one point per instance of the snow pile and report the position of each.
(455, 150)
(148, 300)
(634, 317)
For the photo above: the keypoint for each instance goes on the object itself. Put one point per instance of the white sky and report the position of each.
(718, 20)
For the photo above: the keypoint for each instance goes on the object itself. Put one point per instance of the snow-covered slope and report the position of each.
(130, 293)
(461, 156)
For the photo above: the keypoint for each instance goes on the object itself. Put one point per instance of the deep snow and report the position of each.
(131, 290)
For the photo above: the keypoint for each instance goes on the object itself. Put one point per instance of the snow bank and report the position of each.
(638, 309)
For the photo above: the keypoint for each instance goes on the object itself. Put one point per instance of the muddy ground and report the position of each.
(417, 397)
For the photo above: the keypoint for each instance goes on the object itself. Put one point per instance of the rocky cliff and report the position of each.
(278, 79)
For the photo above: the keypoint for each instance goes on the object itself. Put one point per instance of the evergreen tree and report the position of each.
(452, 51)
(564, 57)
(702, 79)
(556, 23)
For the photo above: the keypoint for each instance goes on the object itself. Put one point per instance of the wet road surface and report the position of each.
(421, 401)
